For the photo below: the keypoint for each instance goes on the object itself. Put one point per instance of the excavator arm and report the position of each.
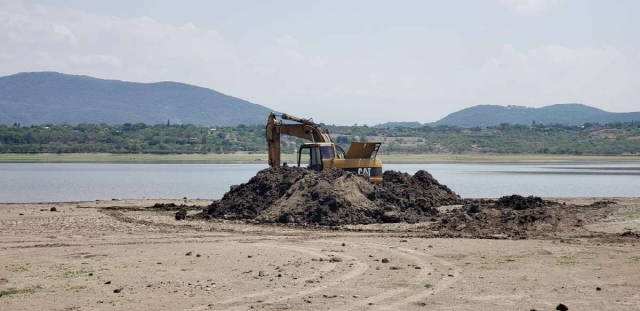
(303, 128)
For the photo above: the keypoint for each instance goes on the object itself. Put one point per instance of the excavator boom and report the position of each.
(304, 128)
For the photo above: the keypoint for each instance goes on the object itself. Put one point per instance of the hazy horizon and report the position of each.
(364, 62)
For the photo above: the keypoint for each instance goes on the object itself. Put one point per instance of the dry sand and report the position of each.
(120, 255)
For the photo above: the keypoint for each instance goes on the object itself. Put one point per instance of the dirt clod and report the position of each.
(181, 214)
(335, 259)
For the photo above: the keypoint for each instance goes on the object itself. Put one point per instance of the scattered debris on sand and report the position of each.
(333, 197)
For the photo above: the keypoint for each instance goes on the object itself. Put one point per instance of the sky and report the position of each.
(343, 62)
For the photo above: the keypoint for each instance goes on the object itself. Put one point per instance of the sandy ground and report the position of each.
(119, 255)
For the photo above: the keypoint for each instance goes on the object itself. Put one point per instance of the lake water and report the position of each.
(61, 182)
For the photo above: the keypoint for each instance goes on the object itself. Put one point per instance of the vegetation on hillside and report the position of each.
(568, 114)
(589, 139)
(50, 97)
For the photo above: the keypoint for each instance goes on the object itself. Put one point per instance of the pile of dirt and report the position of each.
(518, 217)
(518, 202)
(333, 197)
(173, 207)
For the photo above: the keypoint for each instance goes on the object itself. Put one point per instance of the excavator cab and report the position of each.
(317, 153)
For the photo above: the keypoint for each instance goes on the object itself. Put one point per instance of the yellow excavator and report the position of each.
(323, 152)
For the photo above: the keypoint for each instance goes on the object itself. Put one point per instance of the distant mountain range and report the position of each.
(491, 115)
(55, 98)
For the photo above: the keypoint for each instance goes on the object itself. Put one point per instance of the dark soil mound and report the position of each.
(519, 217)
(333, 197)
(173, 207)
(419, 192)
(518, 202)
(247, 200)
(485, 220)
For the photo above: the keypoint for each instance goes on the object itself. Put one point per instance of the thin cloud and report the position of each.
(532, 6)
(372, 82)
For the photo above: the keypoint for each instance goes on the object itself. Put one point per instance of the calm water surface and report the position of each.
(59, 182)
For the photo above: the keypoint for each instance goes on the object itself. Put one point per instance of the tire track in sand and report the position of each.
(359, 269)
(420, 278)
(439, 286)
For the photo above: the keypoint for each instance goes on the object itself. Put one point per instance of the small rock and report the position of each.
(395, 268)
(198, 255)
(117, 290)
(90, 274)
(53, 209)
(335, 259)
(107, 282)
(418, 267)
(562, 307)
(188, 254)
(181, 214)
(343, 244)
(385, 260)
(598, 288)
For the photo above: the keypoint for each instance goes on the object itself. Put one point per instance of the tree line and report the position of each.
(588, 139)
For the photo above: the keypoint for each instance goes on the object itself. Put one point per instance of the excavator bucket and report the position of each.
(362, 150)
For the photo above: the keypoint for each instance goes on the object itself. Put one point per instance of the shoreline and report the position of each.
(207, 201)
(245, 158)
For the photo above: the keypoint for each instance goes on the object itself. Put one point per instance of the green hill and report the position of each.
(414, 124)
(493, 115)
(567, 114)
(55, 98)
